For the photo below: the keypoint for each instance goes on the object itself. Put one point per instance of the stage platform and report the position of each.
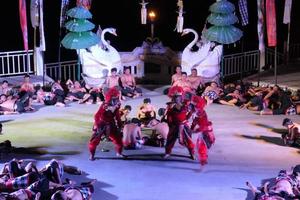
(287, 77)
(248, 148)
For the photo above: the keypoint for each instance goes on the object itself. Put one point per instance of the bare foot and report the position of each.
(92, 158)
(121, 155)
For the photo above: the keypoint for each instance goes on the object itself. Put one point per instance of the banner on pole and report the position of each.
(287, 11)
(260, 31)
(23, 22)
(63, 11)
(41, 26)
(243, 7)
(34, 13)
(271, 23)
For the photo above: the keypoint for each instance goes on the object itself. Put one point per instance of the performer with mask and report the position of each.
(201, 124)
(108, 123)
(177, 117)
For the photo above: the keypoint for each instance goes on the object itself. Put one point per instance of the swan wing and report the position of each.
(210, 66)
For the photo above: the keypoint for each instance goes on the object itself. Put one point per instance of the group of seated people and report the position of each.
(269, 100)
(146, 118)
(20, 180)
(19, 99)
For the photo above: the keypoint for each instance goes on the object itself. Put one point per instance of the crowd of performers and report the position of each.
(286, 186)
(268, 100)
(183, 116)
(15, 99)
(20, 180)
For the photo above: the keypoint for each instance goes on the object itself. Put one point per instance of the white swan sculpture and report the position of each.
(190, 58)
(206, 59)
(100, 59)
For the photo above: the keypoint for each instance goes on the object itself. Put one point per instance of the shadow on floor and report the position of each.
(275, 130)
(272, 140)
(37, 153)
(151, 157)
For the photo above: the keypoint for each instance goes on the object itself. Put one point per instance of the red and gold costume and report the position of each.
(177, 117)
(202, 124)
(107, 122)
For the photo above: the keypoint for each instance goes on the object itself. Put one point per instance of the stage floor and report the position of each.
(248, 148)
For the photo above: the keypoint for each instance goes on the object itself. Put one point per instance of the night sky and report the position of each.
(124, 15)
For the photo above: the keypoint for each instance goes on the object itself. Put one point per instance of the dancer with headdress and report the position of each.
(201, 124)
(177, 117)
(108, 123)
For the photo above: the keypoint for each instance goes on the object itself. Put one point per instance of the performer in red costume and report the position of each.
(177, 117)
(202, 124)
(108, 123)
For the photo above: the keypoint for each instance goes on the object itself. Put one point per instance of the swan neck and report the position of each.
(104, 42)
(194, 40)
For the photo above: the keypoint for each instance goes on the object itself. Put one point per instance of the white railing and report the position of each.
(270, 57)
(67, 70)
(16, 63)
(240, 63)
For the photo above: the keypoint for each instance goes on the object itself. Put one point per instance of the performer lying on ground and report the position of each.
(108, 123)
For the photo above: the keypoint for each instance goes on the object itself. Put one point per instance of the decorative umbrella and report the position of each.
(79, 25)
(222, 19)
(81, 40)
(79, 12)
(222, 6)
(223, 34)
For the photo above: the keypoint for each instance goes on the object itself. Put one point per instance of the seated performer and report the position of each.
(112, 80)
(194, 79)
(177, 117)
(129, 88)
(177, 75)
(184, 83)
(27, 91)
(108, 123)
(146, 111)
(293, 134)
(132, 134)
(5, 89)
(124, 114)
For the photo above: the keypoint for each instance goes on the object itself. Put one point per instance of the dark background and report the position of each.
(124, 15)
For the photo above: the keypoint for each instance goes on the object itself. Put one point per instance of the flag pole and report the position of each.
(288, 44)
(59, 55)
(34, 51)
(275, 65)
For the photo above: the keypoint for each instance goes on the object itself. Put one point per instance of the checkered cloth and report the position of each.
(291, 110)
(86, 192)
(244, 12)
(22, 182)
(211, 95)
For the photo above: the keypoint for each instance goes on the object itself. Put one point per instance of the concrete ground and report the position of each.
(248, 148)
